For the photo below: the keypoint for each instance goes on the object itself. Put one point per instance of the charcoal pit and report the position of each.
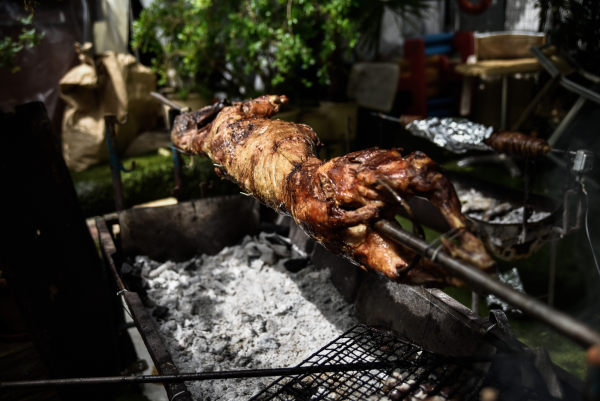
(242, 309)
(204, 332)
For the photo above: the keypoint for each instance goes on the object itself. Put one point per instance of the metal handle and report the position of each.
(165, 101)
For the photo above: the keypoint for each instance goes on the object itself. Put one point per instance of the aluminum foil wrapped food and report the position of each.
(455, 134)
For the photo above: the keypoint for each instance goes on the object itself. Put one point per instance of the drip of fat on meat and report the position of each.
(337, 201)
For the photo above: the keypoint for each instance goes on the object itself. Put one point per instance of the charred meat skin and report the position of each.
(337, 201)
(517, 144)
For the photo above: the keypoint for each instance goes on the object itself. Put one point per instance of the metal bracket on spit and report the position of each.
(110, 122)
(173, 111)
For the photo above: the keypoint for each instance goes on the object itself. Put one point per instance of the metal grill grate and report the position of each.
(407, 372)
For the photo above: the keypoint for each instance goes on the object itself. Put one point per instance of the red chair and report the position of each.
(428, 74)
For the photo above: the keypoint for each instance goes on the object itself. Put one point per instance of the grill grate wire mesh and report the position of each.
(407, 373)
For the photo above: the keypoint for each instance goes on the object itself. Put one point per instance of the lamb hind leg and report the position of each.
(428, 180)
(356, 179)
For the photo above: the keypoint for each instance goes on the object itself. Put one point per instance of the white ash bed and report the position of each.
(242, 309)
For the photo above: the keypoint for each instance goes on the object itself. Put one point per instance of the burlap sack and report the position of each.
(113, 84)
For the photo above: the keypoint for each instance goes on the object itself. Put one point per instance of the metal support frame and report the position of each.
(110, 122)
(547, 89)
(158, 351)
(584, 93)
(174, 111)
(552, 272)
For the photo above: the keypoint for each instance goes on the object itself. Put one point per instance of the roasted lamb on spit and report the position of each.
(336, 202)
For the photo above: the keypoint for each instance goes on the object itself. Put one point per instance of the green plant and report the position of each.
(573, 26)
(225, 45)
(9, 47)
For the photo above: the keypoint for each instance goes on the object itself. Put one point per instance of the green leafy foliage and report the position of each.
(575, 27)
(152, 179)
(9, 47)
(234, 41)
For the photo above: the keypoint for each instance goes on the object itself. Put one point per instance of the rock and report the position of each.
(267, 341)
(219, 347)
(164, 267)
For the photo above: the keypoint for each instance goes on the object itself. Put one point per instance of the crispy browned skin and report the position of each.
(335, 202)
(517, 144)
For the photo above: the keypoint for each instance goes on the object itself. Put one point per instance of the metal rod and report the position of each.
(526, 209)
(177, 160)
(115, 166)
(385, 117)
(504, 106)
(109, 249)
(561, 322)
(552, 273)
(222, 375)
(143, 322)
(165, 101)
(475, 302)
(550, 86)
(566, 121)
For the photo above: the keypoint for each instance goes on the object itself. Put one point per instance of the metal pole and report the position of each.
(504, 107)
(561, 322)
(552, 273)
(165, 101)
(550, 85)
(115, 167)
(222, 375)
(475, 302)
(566, 121)
(177, 161)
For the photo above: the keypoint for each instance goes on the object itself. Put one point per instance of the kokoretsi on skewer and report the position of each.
(336, 202)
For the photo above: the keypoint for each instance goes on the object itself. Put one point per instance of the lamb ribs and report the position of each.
(336, 202)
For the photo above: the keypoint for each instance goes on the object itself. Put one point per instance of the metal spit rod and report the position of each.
(231, 374)
(243, 374)
(561, 322)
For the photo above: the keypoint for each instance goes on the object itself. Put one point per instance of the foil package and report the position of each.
(454, 134)
(512, 279)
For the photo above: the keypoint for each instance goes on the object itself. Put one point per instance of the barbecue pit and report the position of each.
(430, 318)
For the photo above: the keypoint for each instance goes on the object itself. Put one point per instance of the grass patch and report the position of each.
(152, 179)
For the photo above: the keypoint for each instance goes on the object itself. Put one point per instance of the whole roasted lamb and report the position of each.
(336, 202)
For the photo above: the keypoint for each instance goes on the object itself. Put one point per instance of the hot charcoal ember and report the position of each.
(337, 201)
(517, 144)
